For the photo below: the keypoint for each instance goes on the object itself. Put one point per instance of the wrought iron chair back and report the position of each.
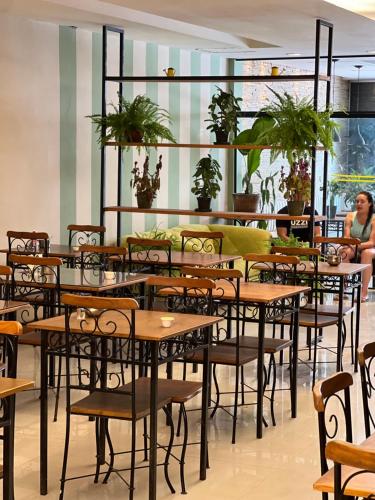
(337, 246)
(5, 277)
(145, 255)
(225, 295)
(36, 280)
(27, 243)
(103, 258)
(10, 331)
(366, 357)
(336, 389)
(80, 234)
(183, 295)
(269, 268)
(202, 241)
(360, 458)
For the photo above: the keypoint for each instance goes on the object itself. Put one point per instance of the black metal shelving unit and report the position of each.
(121, 79)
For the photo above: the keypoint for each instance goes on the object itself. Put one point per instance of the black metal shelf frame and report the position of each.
(120, 79)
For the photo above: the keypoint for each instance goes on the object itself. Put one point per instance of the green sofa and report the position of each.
(237, 240)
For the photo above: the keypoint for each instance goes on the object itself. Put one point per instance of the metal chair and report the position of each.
(146, 255)
(103, 258)
(366, 356)
(87, 340)
(332, 403)
(202, 241)
(27, 243)
(85, 234)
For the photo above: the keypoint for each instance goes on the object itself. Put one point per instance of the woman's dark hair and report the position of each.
(370, 210)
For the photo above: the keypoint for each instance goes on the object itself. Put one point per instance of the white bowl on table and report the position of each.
(167, 321)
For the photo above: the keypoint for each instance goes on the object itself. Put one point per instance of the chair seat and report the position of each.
(179, 391)
(34, 338)
(115, 405)
(224, 354)
(308, 320)
(271, 346)
(327, 309)
(360, 486)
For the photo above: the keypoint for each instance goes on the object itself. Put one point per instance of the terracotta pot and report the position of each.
(144, 200)
(135, 136)
(204, 204)
(296, 207)
(245, 202)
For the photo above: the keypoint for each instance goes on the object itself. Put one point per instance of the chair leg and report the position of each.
(184, 446)
(132, 459)
(217, 392)
(98, 455)
(242, 386)
(169, 449)
(234, 423)
(178, 431)
(111, 454)
(315, 354)
(273, 364)
(58, 390)
(65, 459)
(145, 443)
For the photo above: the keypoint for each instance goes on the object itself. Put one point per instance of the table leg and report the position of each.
(205, 399)
(261, 330)
(8, 449)
(357, 323)
(153, 421)
(43, 415)
(296, 304)
(340, 326)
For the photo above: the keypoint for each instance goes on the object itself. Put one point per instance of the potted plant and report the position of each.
(146, 185)
(206, 186)
(296, 186)
(248, 200)
(138, 121)
(297, 128)
(223, 115)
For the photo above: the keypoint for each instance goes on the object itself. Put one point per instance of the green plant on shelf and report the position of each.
(223, 110)
(206, 177)
(137, 121)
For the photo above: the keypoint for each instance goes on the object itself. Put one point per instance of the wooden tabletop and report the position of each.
(324, 269)
(217, 214)
(87, 280)
(147, 324)
(9, 306)
(9, 386)
(262, 293)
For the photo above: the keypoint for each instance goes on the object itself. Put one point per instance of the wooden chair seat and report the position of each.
(114, 405)
(307, 320)
(360, 486)
(179, 391)
(34, 338)
(271, 346)
(327, 309)
(224, 354)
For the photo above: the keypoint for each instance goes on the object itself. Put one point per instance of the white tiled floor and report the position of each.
(282, 465)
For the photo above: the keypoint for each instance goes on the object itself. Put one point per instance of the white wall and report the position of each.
(29, 127)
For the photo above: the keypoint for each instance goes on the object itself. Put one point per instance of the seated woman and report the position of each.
(361, 224)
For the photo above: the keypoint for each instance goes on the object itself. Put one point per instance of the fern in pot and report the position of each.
(206, 182)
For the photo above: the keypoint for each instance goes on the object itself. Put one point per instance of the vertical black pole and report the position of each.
(104, 112)
(328, 100)
(119, 154)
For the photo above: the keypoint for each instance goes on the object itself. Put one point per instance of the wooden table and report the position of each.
(264, 296)
(8, 389)
(183, 324)
(180, 259)
(11, 306)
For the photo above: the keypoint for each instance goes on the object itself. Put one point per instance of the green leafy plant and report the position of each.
(292, 241)
(223, 111)
(252, 157)
(138, 121)
(156, 233)
(297, 127)
(267, 196)
(206, 178)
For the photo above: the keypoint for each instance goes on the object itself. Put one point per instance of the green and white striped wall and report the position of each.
(80, 56)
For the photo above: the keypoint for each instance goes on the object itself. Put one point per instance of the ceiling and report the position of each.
(235, 28)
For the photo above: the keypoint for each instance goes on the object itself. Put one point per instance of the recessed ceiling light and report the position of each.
(370, 51)
(293, 54)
